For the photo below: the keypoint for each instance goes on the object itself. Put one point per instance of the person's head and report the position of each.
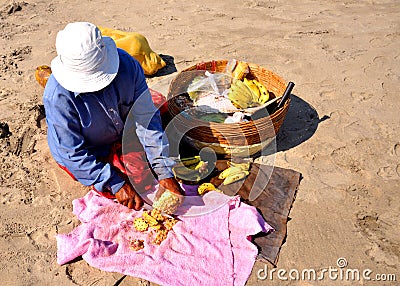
(86, 61)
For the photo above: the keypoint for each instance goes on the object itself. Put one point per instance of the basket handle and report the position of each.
(285, 95)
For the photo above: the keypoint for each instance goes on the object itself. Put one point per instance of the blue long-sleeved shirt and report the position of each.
(83, 126)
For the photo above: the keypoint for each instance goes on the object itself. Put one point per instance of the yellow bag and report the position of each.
(137, 46)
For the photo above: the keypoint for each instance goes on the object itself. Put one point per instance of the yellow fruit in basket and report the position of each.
(205, 187)
(241, 95)
(193, 89)
(264, 94)
(253, 87)
(235, 177)
(241, 70)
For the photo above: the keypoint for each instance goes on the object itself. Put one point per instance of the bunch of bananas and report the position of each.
(247, 93)
(241, 95)
(234, 172)
(258, 89)
(191, 169)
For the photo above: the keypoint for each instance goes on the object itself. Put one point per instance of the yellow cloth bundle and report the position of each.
(138, 47)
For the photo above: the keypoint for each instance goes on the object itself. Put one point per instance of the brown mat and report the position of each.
(275, 190)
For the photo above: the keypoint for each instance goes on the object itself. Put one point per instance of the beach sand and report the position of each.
(341, 133)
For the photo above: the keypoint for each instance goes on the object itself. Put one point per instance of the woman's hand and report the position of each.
(172, 185)
(128, 197)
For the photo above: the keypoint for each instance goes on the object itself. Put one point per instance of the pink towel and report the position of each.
(213, 249)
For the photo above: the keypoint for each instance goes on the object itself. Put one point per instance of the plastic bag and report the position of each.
(208, 82)
(209, 92)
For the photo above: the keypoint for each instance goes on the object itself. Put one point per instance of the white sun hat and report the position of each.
(86, 61)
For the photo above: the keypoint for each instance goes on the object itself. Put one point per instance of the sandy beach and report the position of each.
(341, 132)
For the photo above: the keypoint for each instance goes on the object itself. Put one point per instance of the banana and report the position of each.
(201, 167)
(229, 171)
(190, 160)
(198, 165)
(242, 87)
(243, 166)
(183, 172)
(241, 95)
(241, 70)
(191, 172)
(235, 177)
(213, 117)
(205, 187)
(237, 98)
(264, 94)
(253, 87)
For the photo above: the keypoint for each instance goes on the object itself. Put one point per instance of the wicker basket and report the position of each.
(252, 135)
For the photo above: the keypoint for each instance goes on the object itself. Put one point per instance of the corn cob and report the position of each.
(168, 202)
(151, 221)
(136, 244)
(155, 213)
(140, 224)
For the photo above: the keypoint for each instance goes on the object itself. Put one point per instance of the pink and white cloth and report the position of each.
(212, 249)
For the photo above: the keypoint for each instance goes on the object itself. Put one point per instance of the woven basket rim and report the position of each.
(250, 128)
(222, 61)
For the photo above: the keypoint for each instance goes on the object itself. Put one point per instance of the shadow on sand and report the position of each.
(170, 68)
(300, 124)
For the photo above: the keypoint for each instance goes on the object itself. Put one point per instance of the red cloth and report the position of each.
(131, 166)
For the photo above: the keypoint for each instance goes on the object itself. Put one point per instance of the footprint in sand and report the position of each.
(327, 94)
(385, 247)
(360, 195)
(389, 172)
(12, 229)
(342, 159)
(258, 4)
(361, 96)
(9, 62)
(378, 67)
(379, 42)
(396, 149)
(6, 93)
(42, 239)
